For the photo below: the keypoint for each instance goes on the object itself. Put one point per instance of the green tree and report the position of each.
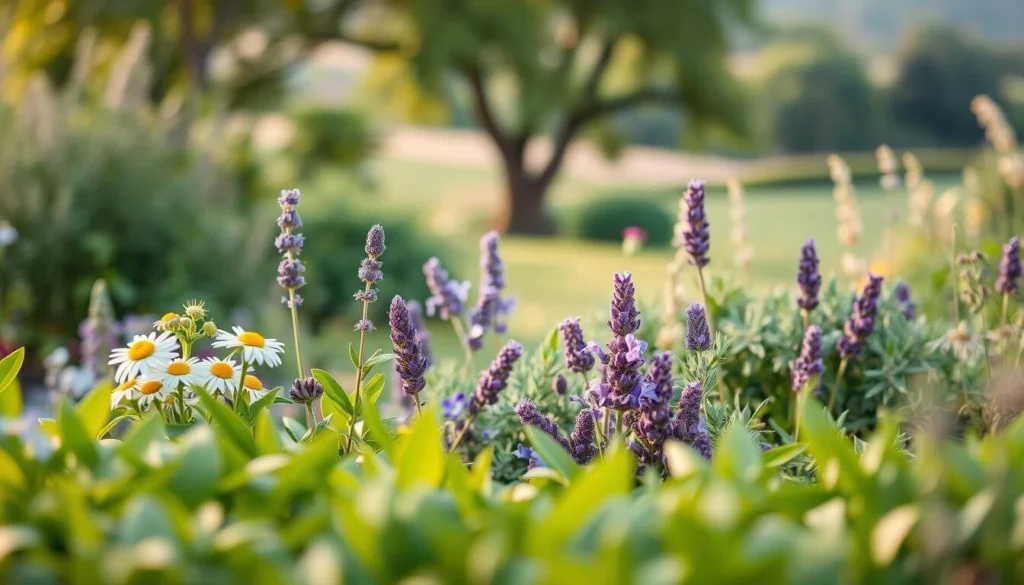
(556, 69)
(940, 72)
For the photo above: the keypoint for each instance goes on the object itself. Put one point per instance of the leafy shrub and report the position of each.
(603, 219)
(334, 248)
(101, 193)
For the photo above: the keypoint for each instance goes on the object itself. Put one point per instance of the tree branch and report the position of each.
(485, 112)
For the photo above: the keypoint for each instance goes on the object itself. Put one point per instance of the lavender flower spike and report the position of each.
(625, 318)
(693, 233)
(905, 302)
(577, 357)
(411, 364)
(619, 387)
(698, 332)
(492, 276)
(529, 415)
(1010, 272)
(447, 298)
(583, 437)
(655, 423)
(495, 378)
(687, 411)
(809, 365)
(861, 323)
(808, 278)
(422, 334)
(289, 245)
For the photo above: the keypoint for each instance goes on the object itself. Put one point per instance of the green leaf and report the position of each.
(334, 390)
(340, 419)
(552, 453)
(374, 424)
(552, 340)
(198, 469)
(140, 435)
(779, 456)
(419, 454)
(353, 355)
(94, 409)
(265, 434)
(889, 533)
(838, 462)
(11, 404)
(373, 361)
(480, 478)
(228, 422)
(10, 366)
(110, 425)
(12, 476)
(73, 435)
(373, 388)
(49, 427)
(265, 401)
(736, 454)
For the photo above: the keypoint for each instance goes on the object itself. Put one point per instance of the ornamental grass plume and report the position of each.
(1000, 134)
(529, 415)
(808, 280)
(491, 310)
(888, 166)
(578, 358)
(411, 363)
(1008, 282)
(698, 332)
(620, 388)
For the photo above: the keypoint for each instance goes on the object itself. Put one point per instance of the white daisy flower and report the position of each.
(152, 392)
(255, 387)
(143, 355)
(219, 376)
(255, 348)
(124, 391)
(179, 371)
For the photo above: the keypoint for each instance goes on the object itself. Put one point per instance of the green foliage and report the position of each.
(335, 238)
(604, 218)
(330, 137)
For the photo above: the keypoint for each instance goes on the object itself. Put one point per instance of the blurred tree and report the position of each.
(541, 68)
(939, 73)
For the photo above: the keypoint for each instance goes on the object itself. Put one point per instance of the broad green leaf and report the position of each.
(94, 409)
(145, 517)
(419, 454)
(10, 366)
(374, 424)
(838, 463)
(889, 533)
(552, 453)
(11, 474)
(736, 455)
(353, 356)
(199, 468)
(140, 435)
(552, 340)
(110, 425)
(73, 435)
(480, 477)
(379, 358)
(779, 456)
(265, 434)
(229, 424)
(11, 404)
(373, 388)
(333, 390)
(49, 427)
(340, 419)
(265, 401)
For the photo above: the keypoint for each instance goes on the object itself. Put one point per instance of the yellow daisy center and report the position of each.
(151, 387)
(251, 339)
(253, 383)
(169, 316)
(179, 368)
(126, 385)
(141, 350)
(222, 370)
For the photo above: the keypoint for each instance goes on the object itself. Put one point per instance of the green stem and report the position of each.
(462, 433)
(240, 392)
(180, 392)
(839, 381)
(806, 316)
(419, 409)
(799, 407)
(359, 373)
(460, 333)
(704, 296)
(310, 416)
(1006, 308)
(295, 329)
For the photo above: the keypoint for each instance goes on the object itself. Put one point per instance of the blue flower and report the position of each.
(530, 455)
(454, 407)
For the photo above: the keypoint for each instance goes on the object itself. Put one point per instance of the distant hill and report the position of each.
(879, 24)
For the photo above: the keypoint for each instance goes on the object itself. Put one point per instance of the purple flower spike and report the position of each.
(625, 318)
(422, 335)
(687, 411)
(906, 304)
(861, 323)
(447, 297)
(495, 378)
(560, 385)
(529, 415)
(619, 386)
(577, 357)
(1008, 282)
(583, 437)
(698, 332)
(808, 278)
(694, 232)
(411, 364)
(655, 422)
(809, 365)
(289, 245)
(491, 309)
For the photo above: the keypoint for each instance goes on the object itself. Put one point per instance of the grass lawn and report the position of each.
(555, 278)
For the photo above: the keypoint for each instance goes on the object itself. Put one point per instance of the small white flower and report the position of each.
(125, 391)
(179, 371)
(145, 354)
(255, 348)
(219, 376)
(152, 391)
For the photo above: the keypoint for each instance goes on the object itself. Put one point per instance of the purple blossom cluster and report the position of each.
(529, 415)
(688, 424)
(808, 278)
(447, 297)
(370, 273)
(693, 233)
(1010, 272)
(305, 390)
(289, 245)
(583, 438)
(698, 332)
(578, 358)
(862, 320)
(906, 303)
(493, 380)
(491, 310)
(620, 387)
(810, 364)
(654, 424)
(422, 334)
(411, 364)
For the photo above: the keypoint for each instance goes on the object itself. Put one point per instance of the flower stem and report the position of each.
(806, 316)
(462, 433)
(839, 381)
(180, 392)
(310, 417)
(704, 296)
(796, 417)
(241, 385)
(1006, 308)
(359, 372)
(460, 332)
(419, 409)
(295, 329)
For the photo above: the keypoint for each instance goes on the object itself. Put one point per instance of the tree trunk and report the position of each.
(524, 207)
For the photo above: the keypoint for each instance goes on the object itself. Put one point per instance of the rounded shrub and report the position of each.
(605, 218)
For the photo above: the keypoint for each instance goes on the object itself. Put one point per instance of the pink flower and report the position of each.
(633, 238)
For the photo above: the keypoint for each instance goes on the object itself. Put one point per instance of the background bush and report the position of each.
(603, 219)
